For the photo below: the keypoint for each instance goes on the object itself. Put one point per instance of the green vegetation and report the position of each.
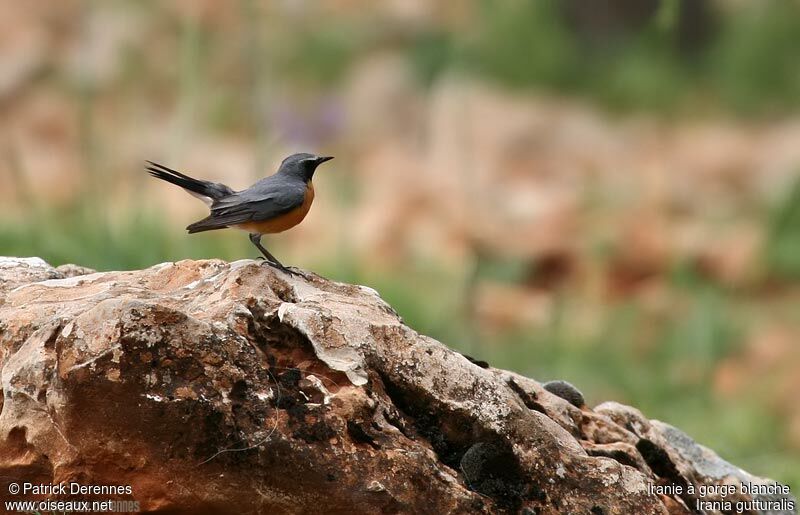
(86, 238)
(783, 244)
(746, 63)
(678, 60)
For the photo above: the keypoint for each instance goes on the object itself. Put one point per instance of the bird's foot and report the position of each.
(291, 270)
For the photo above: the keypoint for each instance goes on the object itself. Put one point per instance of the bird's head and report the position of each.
(302, 165)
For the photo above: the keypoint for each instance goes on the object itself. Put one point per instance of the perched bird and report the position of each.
(271, 205)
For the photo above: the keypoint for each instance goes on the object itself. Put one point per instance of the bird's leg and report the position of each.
(255, 238)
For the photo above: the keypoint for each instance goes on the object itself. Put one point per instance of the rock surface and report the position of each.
(213, 387)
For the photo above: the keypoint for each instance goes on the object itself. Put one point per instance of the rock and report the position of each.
(18, 271)
(70, 270)
(677, 459)
(213, 387)
(492, 470)
(566, 391)
(623, 452)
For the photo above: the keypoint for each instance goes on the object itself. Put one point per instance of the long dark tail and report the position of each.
(207, 189)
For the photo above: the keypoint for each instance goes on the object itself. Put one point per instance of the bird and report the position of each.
(273, 204)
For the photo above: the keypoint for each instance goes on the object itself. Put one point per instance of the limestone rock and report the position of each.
(213, 387)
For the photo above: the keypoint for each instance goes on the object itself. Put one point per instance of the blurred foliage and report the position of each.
(523, 44)
(322, 54)
(84, 234)
(754, 64)
(782, 252)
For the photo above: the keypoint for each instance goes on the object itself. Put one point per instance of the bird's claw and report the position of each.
(294, 271)
(291, 270)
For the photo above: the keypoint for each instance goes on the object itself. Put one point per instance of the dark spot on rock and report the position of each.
(617, 455)
(537, 493)
(295, 409)
(317, 432)
(477, 362)
(164, 316)
(492, 470)
(216, 435)
(478, 504)
(212, 420)
(448, 447)
(395, 418)
(188, 368)
(17, 439)
(283, 291)
(330, 477)
(359, 434)
(566, 391)
(16, 448)
(429, 352)
(597, 510)
(528, 398)
(239, 391)
(290, 378)
(657, 459)
(660, 463)
(267, 330)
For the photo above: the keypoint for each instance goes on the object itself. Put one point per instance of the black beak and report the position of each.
(322, 159)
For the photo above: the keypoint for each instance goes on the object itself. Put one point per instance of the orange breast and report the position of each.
(284, 221)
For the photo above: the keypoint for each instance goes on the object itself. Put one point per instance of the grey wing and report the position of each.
(251, 205)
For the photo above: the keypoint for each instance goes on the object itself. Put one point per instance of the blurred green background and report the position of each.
(605, 192)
